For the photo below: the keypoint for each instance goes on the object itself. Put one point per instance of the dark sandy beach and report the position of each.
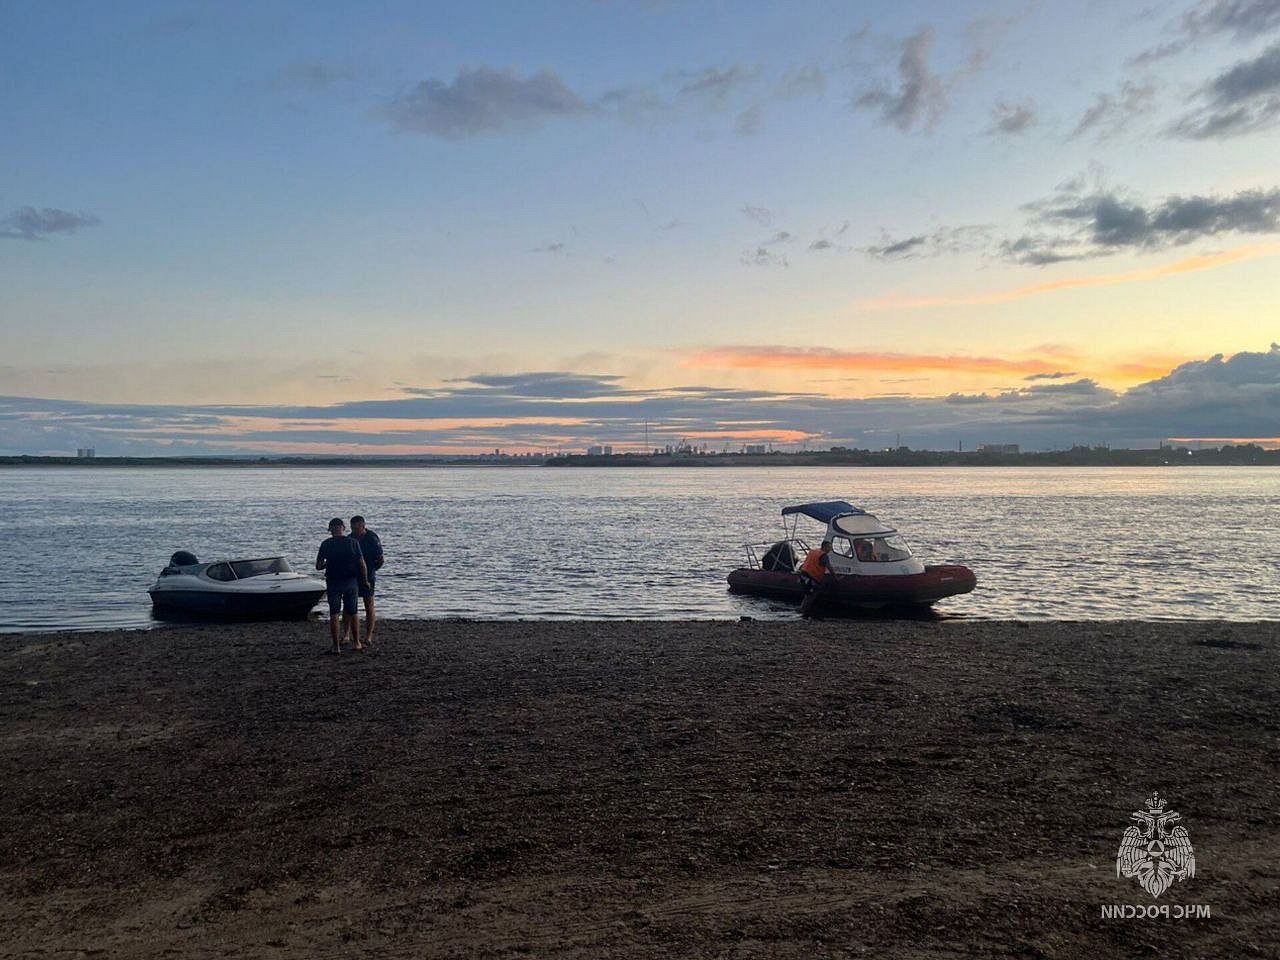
(634, 789)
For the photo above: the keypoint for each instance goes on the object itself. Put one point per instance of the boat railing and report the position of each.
(756, 551)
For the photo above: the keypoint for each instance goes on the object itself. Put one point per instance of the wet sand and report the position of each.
(833, 789)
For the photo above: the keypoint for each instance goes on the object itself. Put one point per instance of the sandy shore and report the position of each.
(634, 789)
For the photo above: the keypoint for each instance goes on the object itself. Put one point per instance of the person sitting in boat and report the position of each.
(814, 573)
(865, 550)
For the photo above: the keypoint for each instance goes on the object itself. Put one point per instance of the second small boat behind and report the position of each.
(872, 565)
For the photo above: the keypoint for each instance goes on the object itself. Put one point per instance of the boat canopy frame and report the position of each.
(824, 511)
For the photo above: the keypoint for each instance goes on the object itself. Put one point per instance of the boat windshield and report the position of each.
(258, 568)
(881, 549)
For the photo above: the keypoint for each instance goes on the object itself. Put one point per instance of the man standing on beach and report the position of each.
(344, 574)
(371, 548)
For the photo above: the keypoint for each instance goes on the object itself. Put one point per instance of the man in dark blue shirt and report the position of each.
(344, 574)
(371, 547)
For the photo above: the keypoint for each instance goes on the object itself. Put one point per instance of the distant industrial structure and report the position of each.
(999, 448)
(85, 453)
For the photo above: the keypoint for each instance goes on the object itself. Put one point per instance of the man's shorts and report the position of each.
(342, 597)
(367, 592)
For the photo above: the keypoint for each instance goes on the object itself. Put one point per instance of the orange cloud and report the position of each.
(1131, 370)
(1269, 442)
(354, 448)
(821, 358)
(1186, 265)
(778, 435)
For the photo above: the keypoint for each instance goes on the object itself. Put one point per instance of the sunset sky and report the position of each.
(406, 227)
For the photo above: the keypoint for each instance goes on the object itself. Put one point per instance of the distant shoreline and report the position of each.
(1232, 456)
(269, 462)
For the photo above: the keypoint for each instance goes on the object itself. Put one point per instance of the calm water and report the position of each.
(494, 542)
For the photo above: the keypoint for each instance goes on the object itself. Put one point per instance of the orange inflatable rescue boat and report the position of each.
(871, 566)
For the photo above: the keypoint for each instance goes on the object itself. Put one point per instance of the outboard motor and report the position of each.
(183, 558)
(780, 557)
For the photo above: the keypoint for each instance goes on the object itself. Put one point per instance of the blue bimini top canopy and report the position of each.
(823, 512)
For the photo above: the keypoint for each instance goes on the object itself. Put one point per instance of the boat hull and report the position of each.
(860, 592)
(225, 605)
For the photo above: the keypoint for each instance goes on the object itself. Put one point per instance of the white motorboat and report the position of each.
(262, 588)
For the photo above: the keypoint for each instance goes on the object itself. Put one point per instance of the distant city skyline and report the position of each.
(420, 227)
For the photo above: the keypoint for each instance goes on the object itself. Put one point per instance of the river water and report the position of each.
(490, 542)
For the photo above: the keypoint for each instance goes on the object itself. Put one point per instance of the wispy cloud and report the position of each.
(747, 123)
(715, 83)
(1078, 223)
(1241, 100)
(905, 247)
(763, 253)
(557, 247)
(482, 100)
(932, 244)
(554, 384)
(762, 256)
(30, 223)
(761, 215)
(1240, 20)
(1083, 219)
(313, 75)
(1185, 265)
(807, 80)
(1111, 113)
(918, 96)
(1012, 119)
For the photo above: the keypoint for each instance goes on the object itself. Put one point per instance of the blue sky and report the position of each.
(298, 207)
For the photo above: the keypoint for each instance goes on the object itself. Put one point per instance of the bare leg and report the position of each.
(370, 619)
(353, 622)
(334, 622)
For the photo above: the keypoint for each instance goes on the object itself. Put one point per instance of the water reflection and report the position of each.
(650, 543)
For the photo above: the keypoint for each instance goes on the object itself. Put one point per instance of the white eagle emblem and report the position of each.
(1154, 853)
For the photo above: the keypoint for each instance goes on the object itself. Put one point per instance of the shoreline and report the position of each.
(318, 621)
(1158, 457)
(634, 788)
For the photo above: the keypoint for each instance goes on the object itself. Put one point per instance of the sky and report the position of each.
(409, 227)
